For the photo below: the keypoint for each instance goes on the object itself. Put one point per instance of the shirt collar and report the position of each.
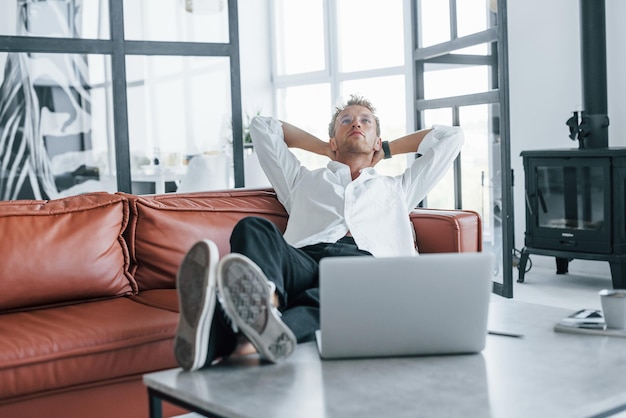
(336, 166)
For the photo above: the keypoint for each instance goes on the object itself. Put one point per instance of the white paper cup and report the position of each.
(614, 307)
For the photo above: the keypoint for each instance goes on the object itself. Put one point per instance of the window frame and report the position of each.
(497, 38)
(118, 48)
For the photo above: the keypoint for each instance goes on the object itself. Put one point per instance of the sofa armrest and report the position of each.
(447, 231)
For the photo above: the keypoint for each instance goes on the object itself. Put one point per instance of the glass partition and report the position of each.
(178, 108)
(176, 21)
(84, 112)
(55, 18)
(55, 114)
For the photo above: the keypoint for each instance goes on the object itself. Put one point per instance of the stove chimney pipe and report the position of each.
(593, 129)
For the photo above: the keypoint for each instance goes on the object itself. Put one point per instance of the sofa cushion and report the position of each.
(164, 227)
(64, 250)
(158, 298)
(66, 346)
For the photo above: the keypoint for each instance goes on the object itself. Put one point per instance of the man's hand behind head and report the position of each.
(378, 155)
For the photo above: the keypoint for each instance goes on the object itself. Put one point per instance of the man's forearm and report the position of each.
(408, 143)
(297, 138)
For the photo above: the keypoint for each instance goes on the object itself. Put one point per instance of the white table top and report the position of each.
(545, 374)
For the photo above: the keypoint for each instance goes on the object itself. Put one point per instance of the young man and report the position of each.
(268, 285)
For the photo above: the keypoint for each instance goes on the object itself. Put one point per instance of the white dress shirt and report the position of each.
(324, 204)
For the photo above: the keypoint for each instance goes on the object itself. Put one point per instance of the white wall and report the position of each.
(545, 87)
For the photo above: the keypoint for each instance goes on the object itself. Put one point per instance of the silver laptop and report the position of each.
(430, 304)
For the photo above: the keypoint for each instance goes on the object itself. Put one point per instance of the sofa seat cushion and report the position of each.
(63, 250)
(158, 298)
(164, 227)
(67, 346)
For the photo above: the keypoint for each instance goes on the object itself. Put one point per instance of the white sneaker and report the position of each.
(246, 296)
(202, 334)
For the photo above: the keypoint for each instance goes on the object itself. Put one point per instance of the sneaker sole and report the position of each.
(195, 283)
(246, 298)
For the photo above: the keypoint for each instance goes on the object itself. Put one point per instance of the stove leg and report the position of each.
(521, 266)
(618, 274)
(562, 265)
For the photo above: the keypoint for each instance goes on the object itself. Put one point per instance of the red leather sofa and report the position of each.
(88, 301)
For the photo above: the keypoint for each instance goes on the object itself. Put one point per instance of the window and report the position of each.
(326, 50)
(115, 95)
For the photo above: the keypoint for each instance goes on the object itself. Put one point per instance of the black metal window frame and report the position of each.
(118, 48)
(497, 37)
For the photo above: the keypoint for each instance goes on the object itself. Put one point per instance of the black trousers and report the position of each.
(294, 270)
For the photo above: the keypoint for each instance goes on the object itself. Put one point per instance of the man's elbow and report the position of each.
(262, 125)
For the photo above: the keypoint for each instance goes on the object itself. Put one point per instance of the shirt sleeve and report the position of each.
(278, 163)
(437, 151)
